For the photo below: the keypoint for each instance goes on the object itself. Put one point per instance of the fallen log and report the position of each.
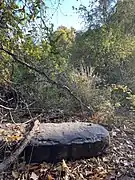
(70, 141)
(56, 141)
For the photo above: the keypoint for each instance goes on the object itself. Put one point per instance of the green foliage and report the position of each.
(122, 96)
(84, 86)
(63, 37)
(14, 18)
(107, 44)
(105, 51)
(97, 12)
(123, 16)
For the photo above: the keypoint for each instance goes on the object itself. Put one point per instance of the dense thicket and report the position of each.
(96, 64)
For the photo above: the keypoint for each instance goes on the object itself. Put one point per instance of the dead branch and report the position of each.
(8, 161)
(4, 107)
(60, 86)
(33, 119)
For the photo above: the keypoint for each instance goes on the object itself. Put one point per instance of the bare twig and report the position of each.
(12, 119)
(33, 119)
(27, 107)
(4, 107)
(3, 100)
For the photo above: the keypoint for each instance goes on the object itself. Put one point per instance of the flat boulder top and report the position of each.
(69, 133)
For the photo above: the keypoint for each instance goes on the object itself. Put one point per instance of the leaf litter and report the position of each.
(117, 163)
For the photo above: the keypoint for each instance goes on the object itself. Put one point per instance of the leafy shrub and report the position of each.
(105, 113)
(84, 85)
(122, 96)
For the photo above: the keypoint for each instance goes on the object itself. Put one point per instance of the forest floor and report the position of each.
(117, 163)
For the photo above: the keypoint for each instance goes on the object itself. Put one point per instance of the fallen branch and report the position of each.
(4, 107)
(9, 160)
(90, 109)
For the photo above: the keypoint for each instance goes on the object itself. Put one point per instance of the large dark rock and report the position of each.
(67, 141)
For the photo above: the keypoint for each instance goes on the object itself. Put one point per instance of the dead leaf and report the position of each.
(34, 176)
(49, 177)
(64, 166)
(15, 174)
